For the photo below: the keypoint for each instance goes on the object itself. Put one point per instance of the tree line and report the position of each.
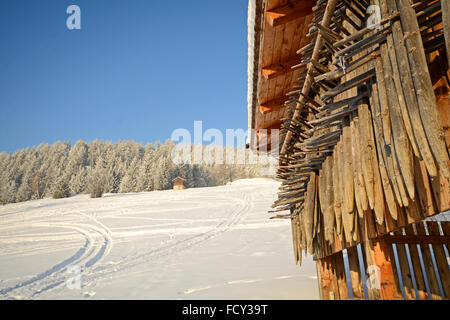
(98, 167)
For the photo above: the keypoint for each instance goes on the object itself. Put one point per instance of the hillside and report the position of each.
(202, 243)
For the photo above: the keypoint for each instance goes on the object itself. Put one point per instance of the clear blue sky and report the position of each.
(137, 69)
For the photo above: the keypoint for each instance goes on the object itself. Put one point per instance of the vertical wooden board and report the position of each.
(424, 193)
(402, 218)
(446, 22)
(299, 240)
(423, 85)
(340, 273)
(390, 223)
(441, 259)
(441, 192)
(379, 205)
(337, 191)
(408, 287)
(445, 225)
(415, 260)
(386, 136)
(400, 138)
(324, 279)
(366, 160)
(355, 275)
(360, 189)
(320, 280)
(310, 204)
(333, 292)
(428, 265)
(369, 260)
(408, 86)
(349, 191)
(377, 127)
(396, 275)
(327, 209)
(383, 261)
(294, 240)
(414, 212)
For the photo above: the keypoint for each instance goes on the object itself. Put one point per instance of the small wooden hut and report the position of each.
(360, 91)
(178, 183)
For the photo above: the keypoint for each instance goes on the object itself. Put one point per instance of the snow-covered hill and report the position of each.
(204, 243)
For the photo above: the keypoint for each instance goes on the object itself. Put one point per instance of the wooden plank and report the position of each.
(331, 267)
(281, 68)
(337, 191)
(323, 280)
(441, 192)
(422, 82)
(308, 212)
(355, 275)
(414, 239)
(445, 6)
(292, 11)
(386, 135)
(349, 191)
(404, 71)
(340, 273)
(428, 265)
(369, 260)
(415, 260)
(408, 287)
(294, 239)
(398, 82)
(424, 193)
(440, 258)
(377, 126)
(273, 105)
(383, 261)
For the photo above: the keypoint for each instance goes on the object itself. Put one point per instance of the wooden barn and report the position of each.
(360, 92)
(178, 183)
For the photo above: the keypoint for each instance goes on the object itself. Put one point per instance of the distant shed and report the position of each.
(178, 183)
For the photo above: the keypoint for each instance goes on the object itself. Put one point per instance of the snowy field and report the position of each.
(204, 243)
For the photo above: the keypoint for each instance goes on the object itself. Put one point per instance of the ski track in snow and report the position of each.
(92, 240)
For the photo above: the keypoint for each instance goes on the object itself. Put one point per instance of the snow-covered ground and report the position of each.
(204, 243)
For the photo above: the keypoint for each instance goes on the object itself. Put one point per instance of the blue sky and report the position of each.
(137, 69)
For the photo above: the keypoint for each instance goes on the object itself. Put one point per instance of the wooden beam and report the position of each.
(273, 105)
(446, 21)
(281, 68)
(276, 124)
(292, 11)
(415, 239)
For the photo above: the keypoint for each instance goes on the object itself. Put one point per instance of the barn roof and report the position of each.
(276, 30)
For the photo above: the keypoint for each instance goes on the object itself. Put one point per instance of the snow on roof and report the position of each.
(253, 60)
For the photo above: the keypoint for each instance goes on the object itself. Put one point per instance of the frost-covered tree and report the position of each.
(98, 167)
